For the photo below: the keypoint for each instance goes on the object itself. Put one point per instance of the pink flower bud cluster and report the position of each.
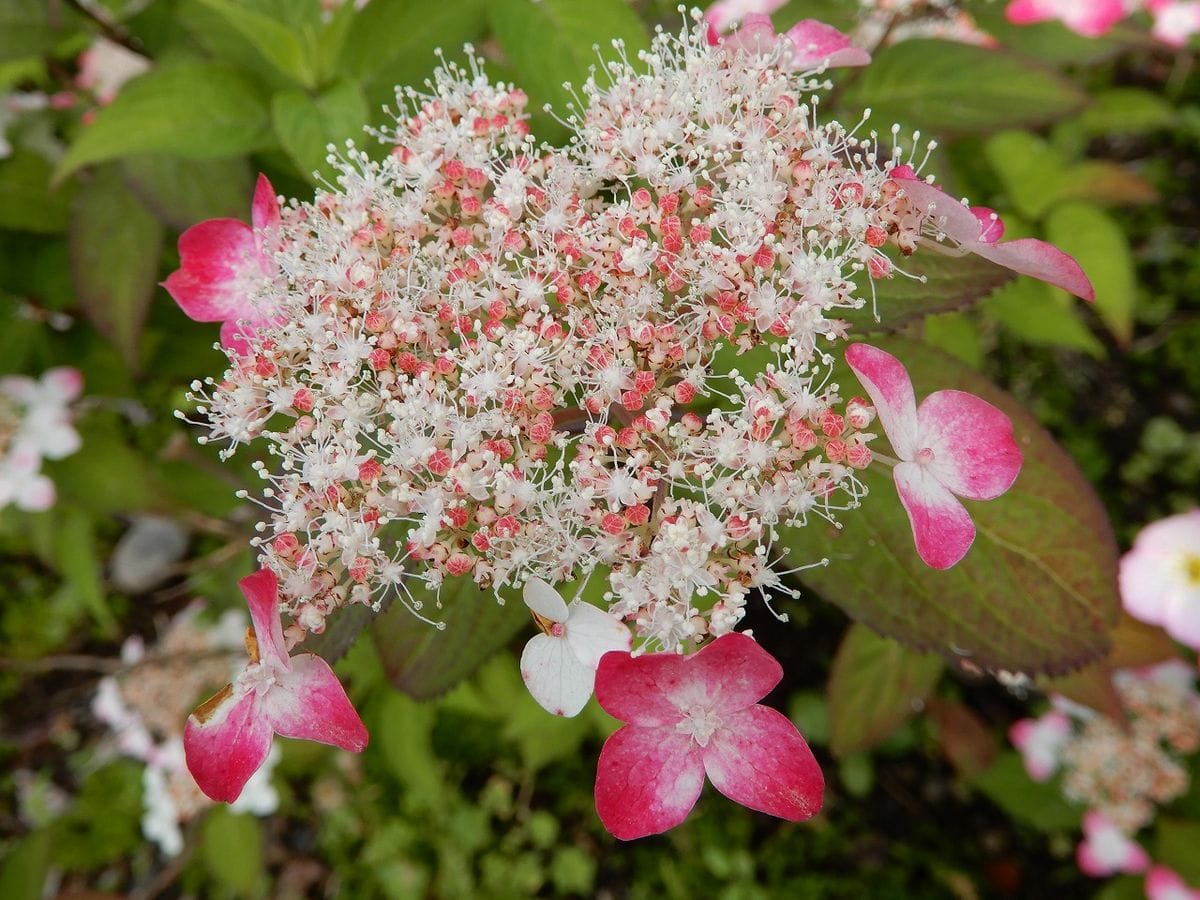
(485, 359)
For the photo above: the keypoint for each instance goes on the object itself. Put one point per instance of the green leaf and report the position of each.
(306, 125)
(1037, 592)
(107, 476)
(76, 555)
(277, 43)
(27, 202)
(1106, 183)
(875, 686)
(394, 40)
(1095, 239)
(954, 88)
(930, 283)
(403, 730)
(1175, 843)
(1030, 170)
(551, 42)
(1040, 804)
(194, 110)
(114, 269)
(425, 661)
(1126, 111)
(1033, 312)
(181, 192)
(25, 867)
(232, 851)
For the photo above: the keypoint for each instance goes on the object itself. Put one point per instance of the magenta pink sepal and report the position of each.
(221, 261)
(954, 445)
(977, 230)
(692, 716)
(228, 736)
(814, 44)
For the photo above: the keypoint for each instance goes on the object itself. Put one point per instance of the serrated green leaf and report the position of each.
(1040, 804)
(232, 851)
(181, 192)
(552, 42)
(27, 202)
(194, 110)
(114, 270)
(274, 39)
(1095, 239)
(305, 126)
(875, 686)
(955, 88)
(1037, 592)
(1031, 311)
(425, 661)
(930, 283)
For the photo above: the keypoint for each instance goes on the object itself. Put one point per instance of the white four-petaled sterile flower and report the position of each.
(1160, 576)
(1106, 849)
(559, 665)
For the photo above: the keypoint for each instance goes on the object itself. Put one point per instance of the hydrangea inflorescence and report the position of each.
(484, 358)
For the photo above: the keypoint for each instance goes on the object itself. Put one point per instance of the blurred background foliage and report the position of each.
(1091, 144)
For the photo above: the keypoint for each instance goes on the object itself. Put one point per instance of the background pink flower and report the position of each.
(1160, 576)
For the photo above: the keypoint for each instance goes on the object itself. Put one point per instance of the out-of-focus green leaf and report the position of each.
(114, 269)
(402, 728)
(181, 192)
(425, 661)
(25, 867)
(1031, 170)
(27, 202)
(76, 551)
(552, 42)
(875, 686)
(1036, 593)
(1040, 804)
(1032, 311)
(306, 125)
(391, 39)
(232, 851)
(1092, 236)
(272, 35)
(1106, 183)
(954, 88)
(930, 283)
(107, 476)
(1175, 843)
(194, 110)
(956, 334)
(1126, 111)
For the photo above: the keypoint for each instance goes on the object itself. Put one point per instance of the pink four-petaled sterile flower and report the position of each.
(953, 444)
(1160, 577)
(688, 716)
(978, 230)
(813, 43)
(1090, 18)
(559, 665)
(1040, 742)
(1106, 849)
(221, 261)
(1165, 884)
(229, 735)
(1175, 21)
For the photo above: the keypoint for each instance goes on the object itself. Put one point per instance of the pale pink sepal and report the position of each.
(690, 715)
(1026, 256)
(954, 443)
(228, 736)
(1176, 22)
(1160, 576)
(1040, 742)
(1106, 849)
(1165, 884)
(724, 13)
(1090, 18)
(817, 43)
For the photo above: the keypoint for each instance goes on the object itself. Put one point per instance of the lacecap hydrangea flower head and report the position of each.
(487, 359)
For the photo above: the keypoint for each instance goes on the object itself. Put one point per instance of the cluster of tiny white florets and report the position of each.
(1128, 771)
(493, 360)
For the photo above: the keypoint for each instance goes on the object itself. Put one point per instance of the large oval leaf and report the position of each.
(951, 87)
(875, 686)
(424, 661)
(1037, 593)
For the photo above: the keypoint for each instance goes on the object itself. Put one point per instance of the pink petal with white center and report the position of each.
(887, 382)
(225, 741)
(817, 43)
(63, 383)
(308, 702)
(545, 600)
(264, 211)
(1040, 742)
(1026, 256)
(218, 265)
(262, 596)
(942, 527)
(974, 454)
(1165, 884)
(1028, 12)
(1107, 850)
(647, 780)
(757, 758)
(1159, 565)
(639, 689)
(556, 678)
(592, 632)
